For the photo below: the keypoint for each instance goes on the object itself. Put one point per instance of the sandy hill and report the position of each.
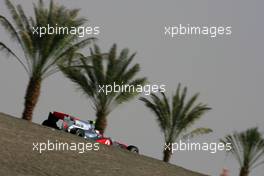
(17, 157)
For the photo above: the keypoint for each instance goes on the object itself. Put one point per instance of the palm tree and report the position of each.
(41, 54)
(100, 70)
(176, 118)
(248, 149)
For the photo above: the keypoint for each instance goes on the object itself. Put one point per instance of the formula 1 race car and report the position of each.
(72, 124)
(85, 129)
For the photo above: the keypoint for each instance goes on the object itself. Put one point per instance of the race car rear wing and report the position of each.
(60, 115)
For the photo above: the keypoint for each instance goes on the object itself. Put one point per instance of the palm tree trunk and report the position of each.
(101, 122)
(244, 171)
(166, 155)
(31, 98)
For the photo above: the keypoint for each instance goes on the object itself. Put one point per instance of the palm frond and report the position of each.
(3, 47)
(42, 54)
(177, 118)
(24, 18)
(126, 96)
(10, 29)
(247, 147)
(16, 18)
(196, 113)
(197, 132)
(98, 70)
(161, 120)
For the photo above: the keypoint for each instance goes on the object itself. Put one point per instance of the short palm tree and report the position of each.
(247, 148)
(176, 118)
(41, 54)
(100, 70)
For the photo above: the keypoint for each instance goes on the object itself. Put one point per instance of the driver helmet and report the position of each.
(98, 133)
(92, 122)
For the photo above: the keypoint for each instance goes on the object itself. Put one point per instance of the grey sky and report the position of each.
(227, 71)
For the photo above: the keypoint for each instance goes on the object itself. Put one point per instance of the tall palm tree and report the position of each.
(175, 119)
(248, 149)
(41, 54)
(100, 70)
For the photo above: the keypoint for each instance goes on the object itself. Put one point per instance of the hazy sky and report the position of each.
(227, 71)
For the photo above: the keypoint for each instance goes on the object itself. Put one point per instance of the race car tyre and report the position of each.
(133, 149)
(73, 131)
(80, 133)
